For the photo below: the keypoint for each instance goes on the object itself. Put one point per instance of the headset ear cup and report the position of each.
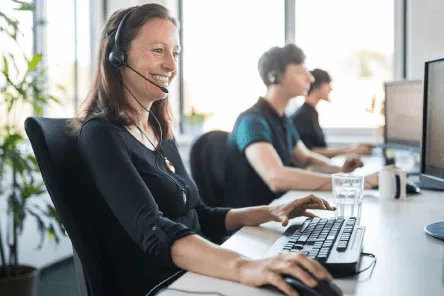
(116, 58)
(276, 78)
(273, 78)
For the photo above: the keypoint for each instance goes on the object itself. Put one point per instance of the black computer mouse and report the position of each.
(324, 288)
(412, 188)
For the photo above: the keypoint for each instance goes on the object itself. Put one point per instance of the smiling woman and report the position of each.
(150, 218)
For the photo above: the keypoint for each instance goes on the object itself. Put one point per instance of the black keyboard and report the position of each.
(317, 239)
(335, 242)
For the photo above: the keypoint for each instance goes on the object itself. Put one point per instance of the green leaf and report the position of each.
(34, 62)
(24, 6)
(40, 227)
(54, 215)
(55, 100)
(51, 233)
(12, 23)
(38, 110)
(5, 66)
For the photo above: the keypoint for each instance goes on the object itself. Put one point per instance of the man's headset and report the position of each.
(117, 58)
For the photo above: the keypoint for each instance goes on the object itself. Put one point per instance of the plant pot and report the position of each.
(19, 280)
(193, 128)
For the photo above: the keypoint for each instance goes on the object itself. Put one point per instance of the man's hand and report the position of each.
(362, 149)
(351, 164)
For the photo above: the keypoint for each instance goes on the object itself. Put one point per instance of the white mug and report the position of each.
(392, 183)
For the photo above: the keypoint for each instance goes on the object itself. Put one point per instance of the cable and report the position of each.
(149, 111)
(343, 275)
(191, 292)
(158, 149)
(153, 290)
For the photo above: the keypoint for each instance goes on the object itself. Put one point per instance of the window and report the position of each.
(354, 42)
(222, 43)
(68, 54)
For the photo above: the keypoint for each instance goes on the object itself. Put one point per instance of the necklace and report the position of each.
(168, 163)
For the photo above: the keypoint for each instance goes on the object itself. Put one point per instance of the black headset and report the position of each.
(117, 58)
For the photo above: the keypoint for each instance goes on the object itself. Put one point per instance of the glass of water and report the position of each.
(347, 194)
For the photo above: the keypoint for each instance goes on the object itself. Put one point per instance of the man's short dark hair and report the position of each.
(320, 77)
(276, 59)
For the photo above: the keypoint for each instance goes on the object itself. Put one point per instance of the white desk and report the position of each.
(409, 261)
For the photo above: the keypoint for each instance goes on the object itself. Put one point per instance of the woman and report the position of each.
(265, 155)
(126, 140)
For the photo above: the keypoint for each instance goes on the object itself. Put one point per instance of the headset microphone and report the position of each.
(164, 89)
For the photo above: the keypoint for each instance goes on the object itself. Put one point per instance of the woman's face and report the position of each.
(153, 53)
(296, 80)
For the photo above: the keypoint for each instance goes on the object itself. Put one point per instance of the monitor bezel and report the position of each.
(425, 177)
(414, 146)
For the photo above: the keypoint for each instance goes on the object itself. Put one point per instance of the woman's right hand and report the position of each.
(269, 272)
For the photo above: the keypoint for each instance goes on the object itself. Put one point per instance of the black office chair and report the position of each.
(207, 160)
(60, 165)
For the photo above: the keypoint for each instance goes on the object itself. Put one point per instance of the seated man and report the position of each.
(306, 120)
(264, 145)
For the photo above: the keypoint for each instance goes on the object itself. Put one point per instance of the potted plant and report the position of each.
(194, 121)
(21, 188)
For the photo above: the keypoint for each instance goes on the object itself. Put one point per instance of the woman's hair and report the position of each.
(276, 59)
(320, 77)
(106, 96)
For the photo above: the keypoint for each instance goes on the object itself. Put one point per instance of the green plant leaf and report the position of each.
(34, 62)
(24, 6)
(41, 228)
(11, 23)
(5, 66)
(53, 214)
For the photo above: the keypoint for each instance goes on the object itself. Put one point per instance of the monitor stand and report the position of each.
(436, 230)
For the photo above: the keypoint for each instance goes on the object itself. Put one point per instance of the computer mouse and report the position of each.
(412, 189)
(324, 288)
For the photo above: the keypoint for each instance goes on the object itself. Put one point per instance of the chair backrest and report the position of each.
(62, 171)
(207, 160)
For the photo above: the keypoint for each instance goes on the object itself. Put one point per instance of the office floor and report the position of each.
(59, 279)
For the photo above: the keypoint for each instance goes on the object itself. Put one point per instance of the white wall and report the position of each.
(113, 5)
(425, 37)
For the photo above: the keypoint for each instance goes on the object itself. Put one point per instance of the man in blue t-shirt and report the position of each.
(265, 155)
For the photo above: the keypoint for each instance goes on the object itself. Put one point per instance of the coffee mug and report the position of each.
(392, 183)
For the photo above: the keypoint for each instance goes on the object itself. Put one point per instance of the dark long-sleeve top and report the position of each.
(306, 121)
(153, 207)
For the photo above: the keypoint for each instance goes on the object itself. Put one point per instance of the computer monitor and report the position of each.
(432, 146)
(403, 114)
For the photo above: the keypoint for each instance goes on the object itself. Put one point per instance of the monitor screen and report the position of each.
(403, 114)
(433, 142)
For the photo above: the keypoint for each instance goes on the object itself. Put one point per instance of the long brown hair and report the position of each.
(106, 95)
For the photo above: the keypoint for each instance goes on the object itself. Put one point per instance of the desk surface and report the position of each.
(409, 261)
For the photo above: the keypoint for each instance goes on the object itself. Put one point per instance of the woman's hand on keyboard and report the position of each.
(283, 213)
(269, 271)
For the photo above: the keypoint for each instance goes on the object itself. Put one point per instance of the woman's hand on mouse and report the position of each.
(283, 213)
(269, 271)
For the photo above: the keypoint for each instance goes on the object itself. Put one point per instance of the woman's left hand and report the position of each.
(283, 213)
